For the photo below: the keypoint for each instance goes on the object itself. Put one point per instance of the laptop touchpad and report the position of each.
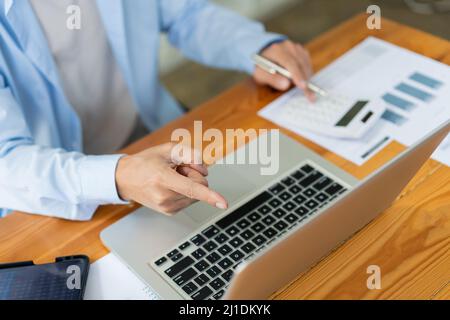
(229, 181)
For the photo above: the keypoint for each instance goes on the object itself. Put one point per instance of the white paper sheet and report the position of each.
(110, 279)
(372, 70)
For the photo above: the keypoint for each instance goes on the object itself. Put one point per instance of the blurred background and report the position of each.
(300, 20)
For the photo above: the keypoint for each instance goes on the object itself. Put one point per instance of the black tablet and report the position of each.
(65, 279)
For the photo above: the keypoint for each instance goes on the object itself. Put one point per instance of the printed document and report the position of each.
(110, 279)
(414, 89)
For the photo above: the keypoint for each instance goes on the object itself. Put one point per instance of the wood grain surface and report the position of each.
(410, 241)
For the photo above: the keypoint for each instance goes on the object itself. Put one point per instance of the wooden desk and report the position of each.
(410, 241)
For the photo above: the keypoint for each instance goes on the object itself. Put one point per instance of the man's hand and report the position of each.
(294, 58)
(164, 180)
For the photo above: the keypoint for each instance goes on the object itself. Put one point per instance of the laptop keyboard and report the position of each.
(202, 267)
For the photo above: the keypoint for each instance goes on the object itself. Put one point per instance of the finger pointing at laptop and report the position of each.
(164, 180)
(157, 179)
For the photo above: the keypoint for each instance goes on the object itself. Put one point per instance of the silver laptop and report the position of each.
(275, 227)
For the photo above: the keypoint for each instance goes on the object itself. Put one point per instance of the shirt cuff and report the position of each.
(257, 43)
(98, 180)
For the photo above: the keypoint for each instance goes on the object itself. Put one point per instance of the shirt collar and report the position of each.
(8, 5)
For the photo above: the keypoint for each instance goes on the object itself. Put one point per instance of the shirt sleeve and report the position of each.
(49, 181)
(213, 35)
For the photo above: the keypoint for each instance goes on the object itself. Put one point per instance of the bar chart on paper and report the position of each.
(415, 91)
(405, 97)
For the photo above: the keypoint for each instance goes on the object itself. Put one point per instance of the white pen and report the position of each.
(274, 68)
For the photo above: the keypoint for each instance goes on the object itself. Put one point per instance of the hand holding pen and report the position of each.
(283, 62)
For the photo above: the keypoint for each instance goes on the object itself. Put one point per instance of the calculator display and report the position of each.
(333, 115)
(351, 114)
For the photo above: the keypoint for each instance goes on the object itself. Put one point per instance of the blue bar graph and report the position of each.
(398, 102)
(414, 92)
(426, 80)
(394, 118)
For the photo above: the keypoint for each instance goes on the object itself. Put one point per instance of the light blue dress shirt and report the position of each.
(42, 167)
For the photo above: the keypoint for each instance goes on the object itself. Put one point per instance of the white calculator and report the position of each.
(332, 115)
